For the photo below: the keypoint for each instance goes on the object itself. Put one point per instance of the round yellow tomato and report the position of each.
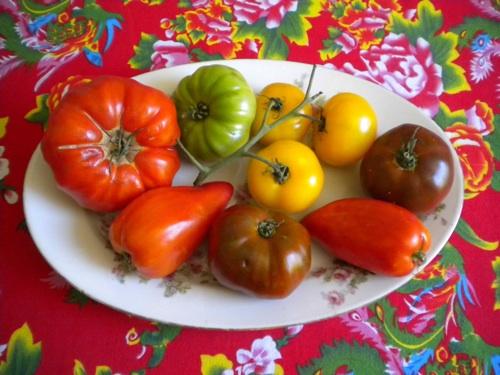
(285, 97)
(292, 184)
(349, 130)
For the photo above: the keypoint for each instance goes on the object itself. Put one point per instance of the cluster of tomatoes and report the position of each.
(111, 145)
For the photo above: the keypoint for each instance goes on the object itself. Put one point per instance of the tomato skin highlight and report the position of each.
(349, 129)
(163, 227)
(378, 236)
(419, 184)
(241, 258)
(110, 140)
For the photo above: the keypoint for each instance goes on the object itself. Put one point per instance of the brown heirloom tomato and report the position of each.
(110, 140)
(410, 166)
(375, 235)
(258, 252)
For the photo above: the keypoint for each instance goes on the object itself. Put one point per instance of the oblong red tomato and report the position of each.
(374, 235)
(163, 227)
(110, 140)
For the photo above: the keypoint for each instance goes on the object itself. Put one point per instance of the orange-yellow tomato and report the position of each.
(296, 184)
(285, 97)
(349, 130)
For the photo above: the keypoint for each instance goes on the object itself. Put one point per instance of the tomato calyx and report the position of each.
(276, 104)
(200, 112)
(267, 228)
(121, 147)
(406, 157)
(279, 171)
(418, 258)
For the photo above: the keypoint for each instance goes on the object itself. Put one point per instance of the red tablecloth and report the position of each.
(442, 56)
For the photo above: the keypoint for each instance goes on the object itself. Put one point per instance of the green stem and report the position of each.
(197, 164)
(205, 171)
(312, 118)
(406, 157)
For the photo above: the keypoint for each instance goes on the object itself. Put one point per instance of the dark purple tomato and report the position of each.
(410, 166)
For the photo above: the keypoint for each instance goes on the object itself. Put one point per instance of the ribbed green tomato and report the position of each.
(215, 110)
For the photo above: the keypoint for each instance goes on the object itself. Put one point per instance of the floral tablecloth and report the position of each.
(443, 56)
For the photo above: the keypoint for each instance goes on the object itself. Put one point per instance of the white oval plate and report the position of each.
(69, 239)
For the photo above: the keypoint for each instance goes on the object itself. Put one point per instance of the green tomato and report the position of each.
(215, 110)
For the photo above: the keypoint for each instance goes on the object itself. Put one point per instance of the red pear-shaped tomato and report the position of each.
(163, 227)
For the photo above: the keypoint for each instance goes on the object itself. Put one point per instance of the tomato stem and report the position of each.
(267, 228)
(319, 121)
(280, 171)
(406, 157)
(205, 171)
(198, 165)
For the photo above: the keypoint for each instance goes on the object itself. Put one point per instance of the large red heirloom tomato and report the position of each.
(110, 140)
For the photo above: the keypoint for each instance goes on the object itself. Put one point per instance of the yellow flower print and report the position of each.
(3, 126)
(215, 365)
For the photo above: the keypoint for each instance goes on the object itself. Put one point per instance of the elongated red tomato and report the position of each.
(110, 140)
(375, 235)
(163, 227)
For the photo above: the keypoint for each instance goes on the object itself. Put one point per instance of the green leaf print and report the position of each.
(445, 117)
(360, 359)
(275, 48)
(467, 233)
(496, 284)
(159, 340)
(143, 51)
(76, 297)
(495, 183)
(13, 43)
(23, 355)
(40, 114)
(471, 26)
(330, 47)
(494, 138)
(203, 56)
(36, 9)
(78, 368)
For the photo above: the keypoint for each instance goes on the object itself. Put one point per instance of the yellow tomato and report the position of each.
(349, 130)
(301, 177)
(286, 97)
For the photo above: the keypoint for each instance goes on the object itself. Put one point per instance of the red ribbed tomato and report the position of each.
(110, 140)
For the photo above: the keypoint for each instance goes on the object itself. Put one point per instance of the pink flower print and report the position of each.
(169, 53)
(273, 11)
(10, 196)
(259, 359)
(407, 70)
(341, 274)
(293, 330)
(334, 298)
